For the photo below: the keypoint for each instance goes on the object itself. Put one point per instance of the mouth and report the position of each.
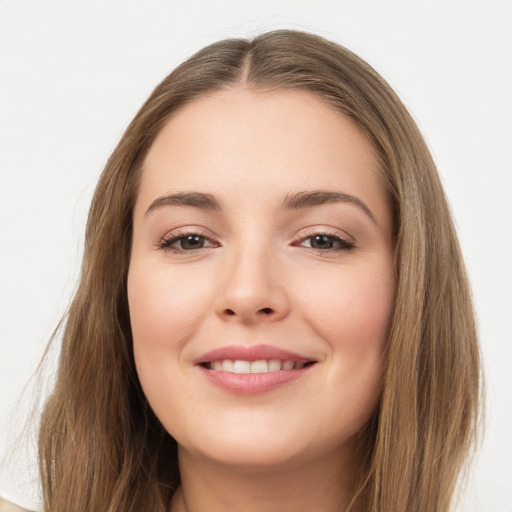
(241, 366)
(250, 370)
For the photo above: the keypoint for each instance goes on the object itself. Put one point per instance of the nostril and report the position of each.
(229, 312)
(266, 311)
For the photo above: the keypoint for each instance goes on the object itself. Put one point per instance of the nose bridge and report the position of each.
(251, 287)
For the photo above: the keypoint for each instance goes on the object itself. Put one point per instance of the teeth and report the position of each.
(228, 366)
(288, 365)
(261, 366)
(242, 367)
(274, 365)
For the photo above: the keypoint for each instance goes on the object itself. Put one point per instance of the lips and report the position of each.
(250, 353)
(254, 369)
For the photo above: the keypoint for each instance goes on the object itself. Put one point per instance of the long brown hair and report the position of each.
(102, 448)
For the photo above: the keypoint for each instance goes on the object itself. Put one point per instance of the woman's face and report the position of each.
(261, 280)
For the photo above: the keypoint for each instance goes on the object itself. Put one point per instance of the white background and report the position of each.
(73, 74)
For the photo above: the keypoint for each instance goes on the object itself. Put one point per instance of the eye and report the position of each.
(325, 243)
(185, 243)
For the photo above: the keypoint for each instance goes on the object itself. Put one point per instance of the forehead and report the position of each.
(244, 143)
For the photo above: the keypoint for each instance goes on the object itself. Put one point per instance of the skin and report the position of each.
(258, 275)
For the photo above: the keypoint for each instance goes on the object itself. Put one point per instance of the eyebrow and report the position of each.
(296, 201)
(194, 199)
(313, 198)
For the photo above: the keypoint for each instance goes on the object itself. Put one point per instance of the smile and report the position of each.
(250, 370)
(260, 366)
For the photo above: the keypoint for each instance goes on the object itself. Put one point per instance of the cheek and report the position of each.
(352, 313)
(163, 311)
(352, 310)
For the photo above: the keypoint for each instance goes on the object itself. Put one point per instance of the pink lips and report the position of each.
(252, 353)
(251, 383)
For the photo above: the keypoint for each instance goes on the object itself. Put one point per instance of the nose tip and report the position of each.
(251, 294)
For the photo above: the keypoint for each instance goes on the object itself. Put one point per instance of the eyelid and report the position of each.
(164, 242)
(183, 232)
(311, 231)
(325, 230)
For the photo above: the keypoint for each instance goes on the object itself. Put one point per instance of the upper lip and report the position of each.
(250, 353)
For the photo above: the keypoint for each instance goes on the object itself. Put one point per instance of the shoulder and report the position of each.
(7, 506)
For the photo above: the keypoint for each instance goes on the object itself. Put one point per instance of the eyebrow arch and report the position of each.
(298, 200)
(313, 198)
(195, 199)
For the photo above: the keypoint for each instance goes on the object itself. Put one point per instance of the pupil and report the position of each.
(322, 242)
(192, 242)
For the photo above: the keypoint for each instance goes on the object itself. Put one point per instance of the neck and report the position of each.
(325, 486)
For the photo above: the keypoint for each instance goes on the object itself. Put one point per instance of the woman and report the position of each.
(273, 312)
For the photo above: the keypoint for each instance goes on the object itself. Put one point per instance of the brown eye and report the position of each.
(185, 243)
(323, 242)
(191, 242)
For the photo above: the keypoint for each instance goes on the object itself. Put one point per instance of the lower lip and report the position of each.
(252, 383)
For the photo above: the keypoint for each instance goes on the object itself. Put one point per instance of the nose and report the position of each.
(252, 289)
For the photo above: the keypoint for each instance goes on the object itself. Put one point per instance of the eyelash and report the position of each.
(340, 244)
(168, 241)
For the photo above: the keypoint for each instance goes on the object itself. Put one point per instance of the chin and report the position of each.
(250, 457)
(235, 440)
(254, 446)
